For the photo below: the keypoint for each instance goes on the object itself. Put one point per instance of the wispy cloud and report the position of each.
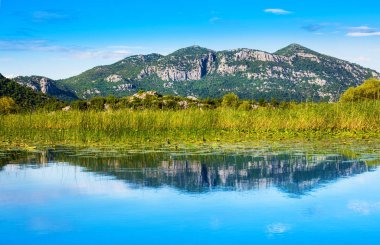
(105, 53)
(363, 31)
(113, 52)
(313, 27)
(277, 11)
(109, 52)
(32, 45)
(125, 47)
(321, 28)
(41, 16)
(277, 228)
(214, 20)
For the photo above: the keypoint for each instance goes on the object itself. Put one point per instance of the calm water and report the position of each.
(67, 196)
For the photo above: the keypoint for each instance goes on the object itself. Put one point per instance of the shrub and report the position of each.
(369, 90)
(7, 105)
(97, 104)
(79, 105)
(230, 100)
(245, 106)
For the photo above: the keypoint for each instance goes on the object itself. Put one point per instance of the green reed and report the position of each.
(124, 127)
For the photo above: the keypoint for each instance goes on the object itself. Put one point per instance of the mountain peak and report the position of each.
(294, 48)
(296, 73)
(192, 50)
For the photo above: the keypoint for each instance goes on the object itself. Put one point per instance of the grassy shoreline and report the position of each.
(193, 126)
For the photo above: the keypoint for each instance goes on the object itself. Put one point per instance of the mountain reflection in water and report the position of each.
(293, 173)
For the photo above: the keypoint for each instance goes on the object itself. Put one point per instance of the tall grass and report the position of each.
(192, 125)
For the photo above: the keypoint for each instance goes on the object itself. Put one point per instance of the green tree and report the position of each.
(7, 105)
(97, 103)
(230, 100)
(26, 98)
(369, 90)
(79, 105)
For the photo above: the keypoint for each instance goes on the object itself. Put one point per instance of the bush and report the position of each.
(97, 104)
(54, 106)
(245, 106)
(230, 100)
(369, 90)
(7, 105)
(79, 105)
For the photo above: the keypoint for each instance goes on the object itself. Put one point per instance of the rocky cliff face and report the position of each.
(36, 83)
(190, 69)
(294, 72)
(46, 86)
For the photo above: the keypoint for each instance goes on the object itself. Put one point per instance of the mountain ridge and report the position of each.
(46, 86)
(25, 97)
(291, 73)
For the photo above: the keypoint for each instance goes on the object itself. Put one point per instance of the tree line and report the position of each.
(17, 98)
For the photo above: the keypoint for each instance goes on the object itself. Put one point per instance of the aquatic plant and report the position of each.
(306, 120)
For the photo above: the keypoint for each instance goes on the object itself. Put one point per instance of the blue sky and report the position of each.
(62, 38)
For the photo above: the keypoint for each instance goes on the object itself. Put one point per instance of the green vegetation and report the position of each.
(49, 86)
(150, 118)
(195, 126)
(7, 105)
(26, 98)
(292, 73)
(231, 100)
(369, 90)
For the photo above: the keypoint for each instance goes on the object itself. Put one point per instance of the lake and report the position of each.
(213, 196)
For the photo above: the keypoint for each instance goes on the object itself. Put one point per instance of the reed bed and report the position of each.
(127, 127)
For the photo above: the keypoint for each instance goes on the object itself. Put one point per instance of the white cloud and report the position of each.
(361, 28)
(110, 52)
(125, 47)
(214, 19)
(362, 31)
(32, 45)
(278, 228)
(101, 53)
(363, 34)
(277, 11)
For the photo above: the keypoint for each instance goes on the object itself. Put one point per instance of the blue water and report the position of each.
(67, 198)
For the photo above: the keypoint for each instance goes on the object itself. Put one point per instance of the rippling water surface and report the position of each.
(255, 196)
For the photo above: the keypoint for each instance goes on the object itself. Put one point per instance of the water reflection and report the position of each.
(292, 173)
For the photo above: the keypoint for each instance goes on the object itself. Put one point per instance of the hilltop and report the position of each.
(292, 73)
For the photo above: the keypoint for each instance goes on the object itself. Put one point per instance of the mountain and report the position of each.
(46, 86)
(26, 98)
(292, 73)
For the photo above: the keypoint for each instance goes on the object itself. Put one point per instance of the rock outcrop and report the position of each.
(46, 86)
(188, 70)
(292, 73)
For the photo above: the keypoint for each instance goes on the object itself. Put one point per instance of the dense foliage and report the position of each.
(151, 100)
(49, 86)
(369, 90)
(26, 98)
(7, 105)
